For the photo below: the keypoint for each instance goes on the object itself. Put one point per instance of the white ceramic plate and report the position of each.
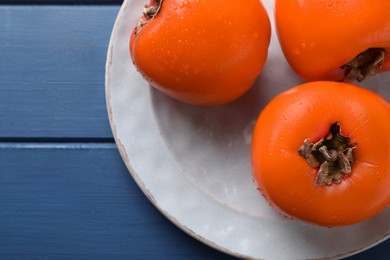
(193, 162)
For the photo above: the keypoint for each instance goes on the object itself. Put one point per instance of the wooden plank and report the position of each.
(78, 201)
(52, 70)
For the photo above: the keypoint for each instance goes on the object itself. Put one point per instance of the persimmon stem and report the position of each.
(332, 155)
(364, 64)
(149, 12)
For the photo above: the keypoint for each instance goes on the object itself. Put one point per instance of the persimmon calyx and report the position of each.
(150, 11)
(364, 64)
(332, 155)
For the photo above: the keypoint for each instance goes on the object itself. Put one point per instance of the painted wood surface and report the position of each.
(77, 201)
(52, 69)
(64, 190)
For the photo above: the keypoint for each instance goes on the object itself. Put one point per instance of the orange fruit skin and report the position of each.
(287, 181)
(318, 37)
(203, 52)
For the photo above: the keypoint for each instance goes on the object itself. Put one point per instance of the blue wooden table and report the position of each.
(64, 190)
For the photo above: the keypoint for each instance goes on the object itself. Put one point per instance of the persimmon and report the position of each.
(321, 153)
(201, 52)
(334, 40)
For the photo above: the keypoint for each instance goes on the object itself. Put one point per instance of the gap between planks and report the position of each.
(56, 143)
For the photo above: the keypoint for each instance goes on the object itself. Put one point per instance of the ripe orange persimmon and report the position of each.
(199, 51)
(334, 40)
(321, 153)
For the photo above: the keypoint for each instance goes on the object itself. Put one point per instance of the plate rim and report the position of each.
(146, 191)
(127, 162)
